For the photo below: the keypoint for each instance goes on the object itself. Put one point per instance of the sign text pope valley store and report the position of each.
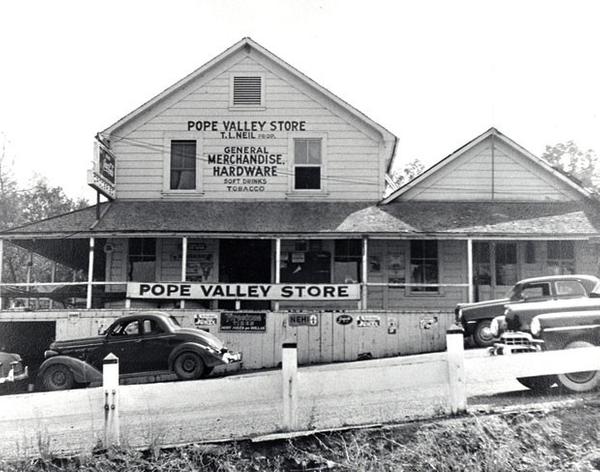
(248, 155)
(200, 291)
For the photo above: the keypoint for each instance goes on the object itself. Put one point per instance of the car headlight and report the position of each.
(535, 326)
(498, 326)
(494, 327)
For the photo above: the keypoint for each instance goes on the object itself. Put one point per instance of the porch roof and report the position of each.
(402, 219)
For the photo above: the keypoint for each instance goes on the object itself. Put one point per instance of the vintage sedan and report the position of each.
(476, 318)
(144, 342)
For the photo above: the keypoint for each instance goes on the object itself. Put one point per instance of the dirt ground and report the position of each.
(561, 437)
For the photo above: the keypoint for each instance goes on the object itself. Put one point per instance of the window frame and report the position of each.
(128, 266)
(262, 105)
(562, 262)
(412, 291)
(168, 137)
(292, 137)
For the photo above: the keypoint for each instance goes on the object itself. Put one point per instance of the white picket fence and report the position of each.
(265, 403)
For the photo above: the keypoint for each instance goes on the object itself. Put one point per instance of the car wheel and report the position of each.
(188, 366)
(482, 336)
(579, 381)
(539, 383)
(58, 377)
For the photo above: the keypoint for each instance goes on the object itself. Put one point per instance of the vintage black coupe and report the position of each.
(144, 342)
(476, 317)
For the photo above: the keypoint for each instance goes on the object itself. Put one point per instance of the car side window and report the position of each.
(130, 328)
(151, 327)
(569, 288)
(535, 291)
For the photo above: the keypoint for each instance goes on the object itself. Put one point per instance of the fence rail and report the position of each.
(291, 399)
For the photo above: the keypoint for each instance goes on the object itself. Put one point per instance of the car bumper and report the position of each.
(232, 357)
(12, 377)
(515, 342)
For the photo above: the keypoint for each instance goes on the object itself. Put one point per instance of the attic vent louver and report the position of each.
(247, 91)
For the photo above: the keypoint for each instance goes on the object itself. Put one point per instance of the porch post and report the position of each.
(1, 266)
(470, 269)
(28, 279)
(277, 267)
(363, 295)
(52, 280)
(184, 247)
(88, 303)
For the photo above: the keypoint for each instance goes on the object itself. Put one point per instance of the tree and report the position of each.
(22, 206)
(583, 165)
(408, 172)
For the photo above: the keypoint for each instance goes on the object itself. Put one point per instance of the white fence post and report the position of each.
(456, 370)
(289, 370)
(110, 385)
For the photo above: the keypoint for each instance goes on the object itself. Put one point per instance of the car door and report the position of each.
(125, 341)
(156, 345)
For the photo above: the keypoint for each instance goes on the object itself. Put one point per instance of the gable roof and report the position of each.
(492, 132)
(248, 44)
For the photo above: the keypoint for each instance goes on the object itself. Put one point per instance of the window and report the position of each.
(506, 264)
(347, 260)
(530, 252)
(424, 268)
(533, 291)
(151, 327)
(481, 263)
(247, 91)
(183, 165)
(569, 288)
(561, 257)
(142, 260)
(126, 328)
(307, 164)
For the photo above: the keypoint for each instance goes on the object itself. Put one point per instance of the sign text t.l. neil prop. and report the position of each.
(200, 291)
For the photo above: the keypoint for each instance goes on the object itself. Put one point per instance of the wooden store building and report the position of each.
(250, 201)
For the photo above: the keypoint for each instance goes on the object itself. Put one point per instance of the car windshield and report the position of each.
(514, 293)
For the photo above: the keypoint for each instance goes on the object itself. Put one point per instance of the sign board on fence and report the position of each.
(303, 319)
(205, 319)
(343, 319)
(239, 321)
(201, 291)
(368, 321)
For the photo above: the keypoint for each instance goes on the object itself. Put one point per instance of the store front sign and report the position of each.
(200, 291)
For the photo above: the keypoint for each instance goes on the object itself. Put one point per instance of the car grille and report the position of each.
(516, 341)
(18, 368)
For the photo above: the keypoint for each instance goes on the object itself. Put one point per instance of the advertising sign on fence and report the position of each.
(239, 321)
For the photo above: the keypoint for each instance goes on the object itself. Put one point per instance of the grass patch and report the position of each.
(561, 440)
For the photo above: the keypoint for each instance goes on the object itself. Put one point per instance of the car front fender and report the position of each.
(82, 371)
(210, 357)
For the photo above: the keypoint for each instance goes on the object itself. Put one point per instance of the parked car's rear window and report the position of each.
(570, 288)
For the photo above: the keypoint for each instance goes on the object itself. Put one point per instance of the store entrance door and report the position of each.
(245, 261)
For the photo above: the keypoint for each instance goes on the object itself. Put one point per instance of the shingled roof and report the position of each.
(402, 219)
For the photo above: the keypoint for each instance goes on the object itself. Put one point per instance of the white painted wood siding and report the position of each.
(353, 167)
(499, 174)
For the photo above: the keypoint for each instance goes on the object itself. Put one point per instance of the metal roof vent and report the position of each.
(247, 90)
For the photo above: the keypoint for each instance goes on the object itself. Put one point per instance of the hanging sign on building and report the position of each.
(200, 291)
(102, 176)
